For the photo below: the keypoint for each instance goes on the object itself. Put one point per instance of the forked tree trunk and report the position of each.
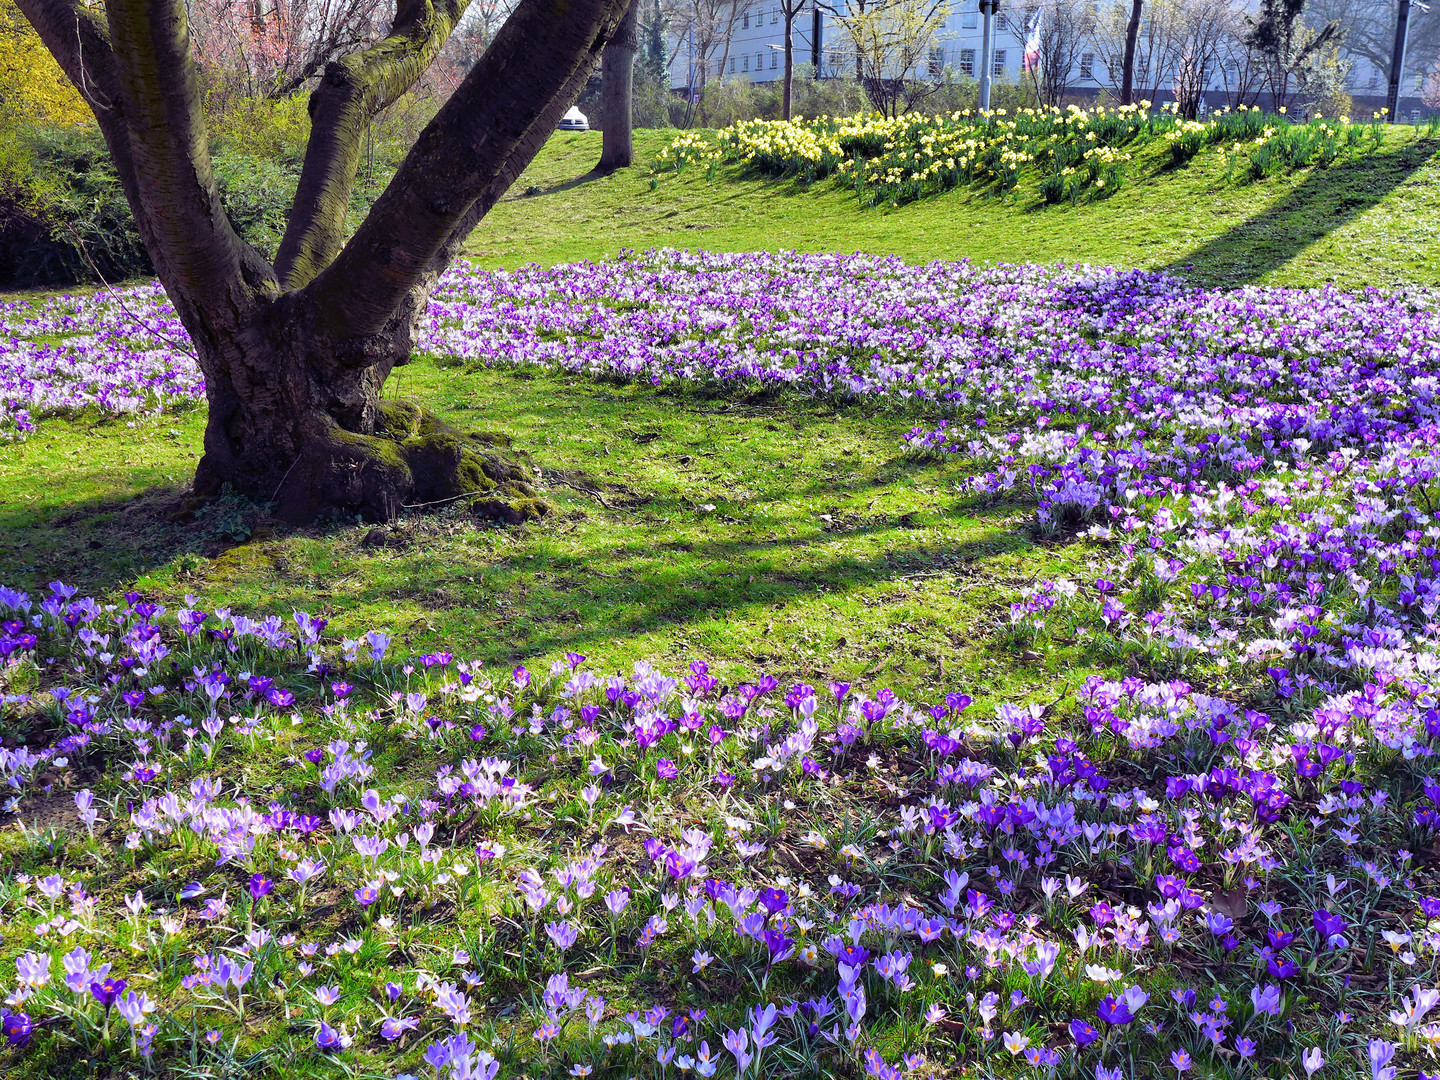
(295, 355)
(324, 440)
(295, 420)
(617, 88)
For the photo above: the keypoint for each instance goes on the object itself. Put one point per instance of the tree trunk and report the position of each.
(788, 11)
(306, 426)
(1127, 72)
(295, 421)
(617, 84)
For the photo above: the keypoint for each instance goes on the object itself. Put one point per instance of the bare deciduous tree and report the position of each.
(1289, 50)
(1157, 46)
(274, 47)
(1127, 63)
(1242, 74)
(1202, 29)
(704, 30)
(1066, 26)
(1369, 29)
(789, 12)
(295, 354)
(617, 75)
(889, 40)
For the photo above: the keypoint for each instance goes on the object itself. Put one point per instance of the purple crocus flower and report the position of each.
(1330, 929)
(17, 1028)
(330, 1039)
(260, 886)
(1113, 1011)
(774, 900)
(107, 990)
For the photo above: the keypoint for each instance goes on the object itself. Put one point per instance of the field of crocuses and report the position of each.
(121, 352)
(245, 845)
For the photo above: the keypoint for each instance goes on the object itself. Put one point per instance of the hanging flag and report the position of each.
(1032, 44)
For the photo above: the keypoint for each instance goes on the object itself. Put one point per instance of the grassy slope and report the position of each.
(906, 583)
(1374, 221)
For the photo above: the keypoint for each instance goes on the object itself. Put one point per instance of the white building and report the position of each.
(754, 53)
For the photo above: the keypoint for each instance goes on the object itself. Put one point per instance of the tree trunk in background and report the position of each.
(788, 12)
(617, 84)
(1127, 74)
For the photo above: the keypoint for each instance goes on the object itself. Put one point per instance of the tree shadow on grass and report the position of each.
(562, 586)
(525, 609)
(1327, 199)
(566, 185)
(104, 543)
(809, 513)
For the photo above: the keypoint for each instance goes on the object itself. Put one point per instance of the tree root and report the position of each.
(413, 459)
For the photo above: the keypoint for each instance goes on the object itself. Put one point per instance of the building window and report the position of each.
(967, 63)
(1087, 65)
(746, 21)
(1001, 23)
(998, 68)
(774, 16)
(759, 61)
(1374, 78)
(746, 66)
(969, 20)
(732, 65)
(774, 60)
(937, 63)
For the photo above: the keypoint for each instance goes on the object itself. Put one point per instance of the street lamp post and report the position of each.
(1397, 60)
(988, 8)
(1397, 63)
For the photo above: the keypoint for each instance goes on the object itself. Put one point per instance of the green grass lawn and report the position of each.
(828, 554)
(1374, 221)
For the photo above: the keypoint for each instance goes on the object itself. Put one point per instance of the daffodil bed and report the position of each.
(1074, 153)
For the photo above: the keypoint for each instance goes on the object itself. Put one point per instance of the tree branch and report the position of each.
(352, 91)
(199, 259)
(486, 131)
(525, 151)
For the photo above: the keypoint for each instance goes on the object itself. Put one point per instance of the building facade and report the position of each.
(754, 52)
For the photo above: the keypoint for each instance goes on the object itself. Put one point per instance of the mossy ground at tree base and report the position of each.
(413, 460)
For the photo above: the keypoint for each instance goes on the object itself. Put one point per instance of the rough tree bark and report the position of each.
(1127, 71)
(295, 355)
(617, 88)
(788, 10)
